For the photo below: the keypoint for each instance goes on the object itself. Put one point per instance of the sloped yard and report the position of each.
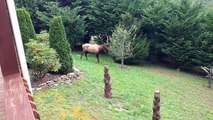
(183, 96)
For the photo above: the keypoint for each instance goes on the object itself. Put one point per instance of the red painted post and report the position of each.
(108, 93)
(156, 107)
(8, 57)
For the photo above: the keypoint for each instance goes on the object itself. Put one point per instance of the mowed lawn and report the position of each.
(183, 96)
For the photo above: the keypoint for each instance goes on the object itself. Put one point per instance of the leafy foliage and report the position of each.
(43, 37)
(41, 59)
(176, 31)
(74, 23)
(204, 45)
(26, 26)
(104, 16)
(58, 41)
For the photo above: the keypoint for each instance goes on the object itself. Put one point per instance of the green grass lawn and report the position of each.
(183, 96)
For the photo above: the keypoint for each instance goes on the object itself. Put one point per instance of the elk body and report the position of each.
(93, 48)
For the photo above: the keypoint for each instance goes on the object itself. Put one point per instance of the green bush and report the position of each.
(41, 59)
(26, 26)
(58, 41)
(43, 37)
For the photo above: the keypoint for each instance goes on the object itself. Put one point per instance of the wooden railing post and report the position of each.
(156, 107)
(108, 93)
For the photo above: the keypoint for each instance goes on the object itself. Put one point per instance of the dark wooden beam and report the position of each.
(8, 58)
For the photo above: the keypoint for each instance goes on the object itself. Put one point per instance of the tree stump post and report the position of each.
(108, 93)
(156, 107)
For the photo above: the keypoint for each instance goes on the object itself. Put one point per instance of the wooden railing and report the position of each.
(19, 102)
(2, 103)
(32, 102)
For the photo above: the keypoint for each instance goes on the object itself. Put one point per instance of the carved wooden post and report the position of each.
(108, 93)
(156, 107)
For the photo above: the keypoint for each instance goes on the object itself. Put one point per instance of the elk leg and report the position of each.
(82, 54)
(86, 55)
(97, 56)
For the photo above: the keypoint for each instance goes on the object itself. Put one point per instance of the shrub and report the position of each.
(58, 41)
(26, 26)
(41, 59)
(43, 37)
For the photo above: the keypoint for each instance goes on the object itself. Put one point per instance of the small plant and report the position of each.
(121, 46)
(41, 59)
(209, 72)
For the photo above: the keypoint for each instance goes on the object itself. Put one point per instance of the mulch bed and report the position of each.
(47, 77)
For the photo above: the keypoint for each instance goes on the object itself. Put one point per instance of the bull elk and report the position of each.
(93, 48)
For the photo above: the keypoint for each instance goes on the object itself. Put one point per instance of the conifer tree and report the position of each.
(181, 33)
(32, 7)
(58, 41)
(204, 44)
(26, 26)
(74, 23)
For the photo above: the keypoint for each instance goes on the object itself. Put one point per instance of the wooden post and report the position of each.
(108, 93)
(156, 107)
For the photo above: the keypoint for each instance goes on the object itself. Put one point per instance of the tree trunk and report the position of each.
(108, 93)
(156, 107)
(122, 63)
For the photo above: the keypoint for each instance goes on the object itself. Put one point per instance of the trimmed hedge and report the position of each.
(58, 41)
(26, 26)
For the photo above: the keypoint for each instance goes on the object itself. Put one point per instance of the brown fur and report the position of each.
(93, 48)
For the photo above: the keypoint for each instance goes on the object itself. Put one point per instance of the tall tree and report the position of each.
(26, 26)
(74, 23)
(32, 8)
(58, 41)
(182, 29)
(204, 44)
(103, 17)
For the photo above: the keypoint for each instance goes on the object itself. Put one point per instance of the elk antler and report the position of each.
(205, 69)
